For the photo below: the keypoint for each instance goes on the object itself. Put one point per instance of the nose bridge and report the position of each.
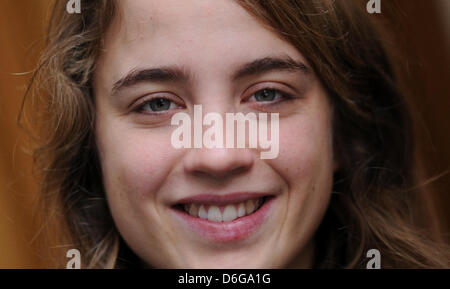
(215, 97)
(214, 94)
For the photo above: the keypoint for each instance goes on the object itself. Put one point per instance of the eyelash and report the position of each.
(285, 97)
(140, 107)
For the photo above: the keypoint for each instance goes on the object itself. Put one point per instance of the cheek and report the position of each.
(305, 163)
(305, 150)
(135, 161)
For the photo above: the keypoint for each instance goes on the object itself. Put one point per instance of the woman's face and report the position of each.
(202, 207)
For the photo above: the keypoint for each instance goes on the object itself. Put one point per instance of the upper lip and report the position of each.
(216, 199)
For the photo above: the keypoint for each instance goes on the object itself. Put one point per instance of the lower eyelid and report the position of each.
(151, 116)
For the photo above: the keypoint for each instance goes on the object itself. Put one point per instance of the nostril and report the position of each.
(218, 162)
(240, 170)
(221, 173)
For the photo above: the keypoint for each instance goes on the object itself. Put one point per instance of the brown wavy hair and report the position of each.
(376, 199)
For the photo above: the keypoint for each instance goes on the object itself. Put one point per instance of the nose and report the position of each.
(218, 162)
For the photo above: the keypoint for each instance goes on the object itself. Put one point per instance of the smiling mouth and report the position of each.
(222, 212)
(224, 218)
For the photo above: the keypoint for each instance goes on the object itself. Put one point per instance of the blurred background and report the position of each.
(421, 30)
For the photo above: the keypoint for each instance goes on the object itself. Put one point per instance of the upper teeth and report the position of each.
(225, 213)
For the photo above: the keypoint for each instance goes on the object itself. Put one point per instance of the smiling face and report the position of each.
(200, 207)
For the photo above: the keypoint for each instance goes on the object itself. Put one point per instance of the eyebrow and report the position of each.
(176, 74)
(267, 64)
(161, 74)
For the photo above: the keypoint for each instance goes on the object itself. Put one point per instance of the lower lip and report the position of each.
(236, 230)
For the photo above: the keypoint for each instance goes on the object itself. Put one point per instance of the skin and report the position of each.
(144, 175)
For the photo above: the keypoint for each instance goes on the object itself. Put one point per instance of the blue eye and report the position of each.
(268, 95)
(158, 104)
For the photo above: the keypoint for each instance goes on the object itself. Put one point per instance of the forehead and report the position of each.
(157, 18)
(188, 33)
(172, 13)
